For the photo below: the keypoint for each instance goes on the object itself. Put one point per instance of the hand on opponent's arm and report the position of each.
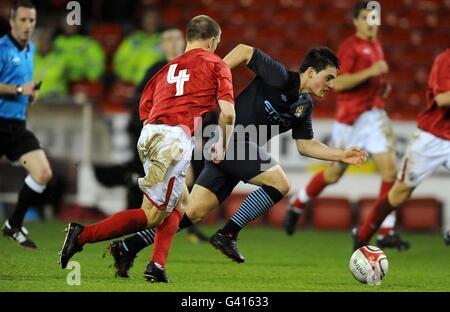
(226, 126)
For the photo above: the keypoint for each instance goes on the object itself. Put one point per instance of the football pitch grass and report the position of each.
(308, 261)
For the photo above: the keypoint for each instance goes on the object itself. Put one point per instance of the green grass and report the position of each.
(308, 261)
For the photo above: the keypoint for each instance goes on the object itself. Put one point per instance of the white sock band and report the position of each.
(34, 185)
(304, 198)
(389, 221)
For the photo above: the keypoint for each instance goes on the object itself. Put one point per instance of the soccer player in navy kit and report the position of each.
(275, 101)
(17, 90)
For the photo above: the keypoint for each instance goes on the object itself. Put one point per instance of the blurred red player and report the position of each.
(428, 150)
(183, 90)
(360, 121)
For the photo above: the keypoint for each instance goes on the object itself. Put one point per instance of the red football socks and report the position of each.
(164, 237)
(377, 213)
(385, 187)
(119, 224)
(384, 190)
(314, 188)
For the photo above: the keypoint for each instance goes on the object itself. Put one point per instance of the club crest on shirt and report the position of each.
(366, 51)
(299, 111)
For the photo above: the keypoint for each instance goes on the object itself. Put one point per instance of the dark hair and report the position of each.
(21, 4)
(202, 27)
(359, 6)
(319, 59)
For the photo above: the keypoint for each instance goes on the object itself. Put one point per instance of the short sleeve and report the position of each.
(2, 59)
(303, 130)
(272, 72)
(442, 83)
(347, 58)
(224, 83)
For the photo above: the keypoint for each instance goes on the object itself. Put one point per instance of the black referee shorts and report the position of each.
(222, 178)
(15, 139)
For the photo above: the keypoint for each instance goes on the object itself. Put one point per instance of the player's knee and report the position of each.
(390, 174)
(399, 194)
(279, 180)
(154, 216)
(396, 199)
(332, 174)
(283, 186)
(43, 176)
(196, 216)
(332, 179)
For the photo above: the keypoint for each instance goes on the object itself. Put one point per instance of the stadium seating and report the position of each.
(417, 214)
(332, 213)
(118, 97)
(421, 214)
(109, 35)
(92, 89)
(75, 212)
(287, 29)
(276, 214)
(363, 208)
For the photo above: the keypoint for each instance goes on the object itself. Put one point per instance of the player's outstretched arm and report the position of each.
(318, 150)
(240, 54)
(226, 126)
(443, 99)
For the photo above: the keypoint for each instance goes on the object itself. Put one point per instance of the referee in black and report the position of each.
(17, 91)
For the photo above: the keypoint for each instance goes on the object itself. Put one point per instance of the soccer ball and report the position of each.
(369, 265)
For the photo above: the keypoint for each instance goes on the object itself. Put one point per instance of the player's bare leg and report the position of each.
(195, 235)
(40, 173)
(274, 185)
(297, 204)
(154, 215)
(201, 202)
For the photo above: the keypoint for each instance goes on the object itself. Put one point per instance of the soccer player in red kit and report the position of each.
(186, 88)
(360, 120)
(429, 149)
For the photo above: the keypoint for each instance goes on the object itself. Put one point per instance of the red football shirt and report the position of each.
(436, 119)
(356, 54)
(187, 87)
